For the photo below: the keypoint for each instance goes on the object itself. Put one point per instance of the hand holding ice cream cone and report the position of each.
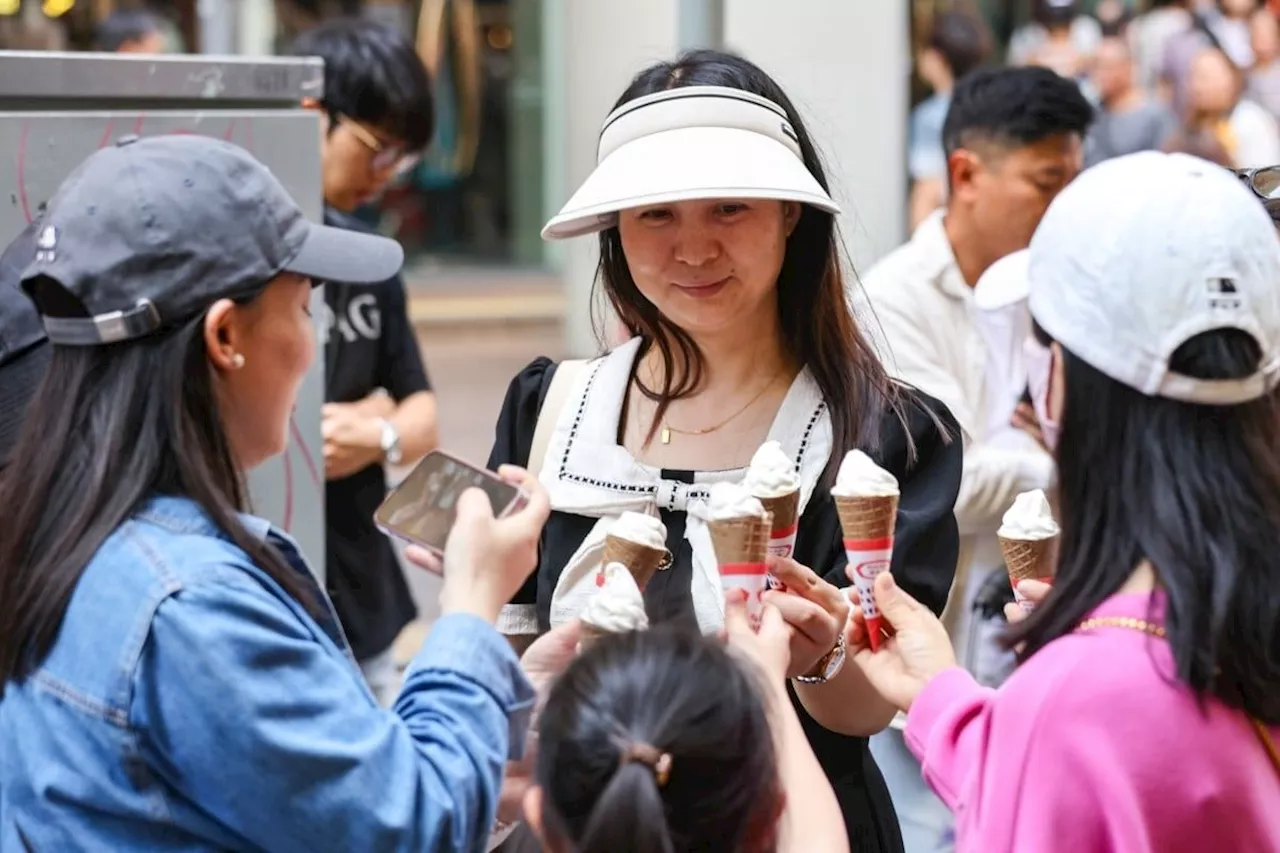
(1029, 540)
(1032, 592)
(866, 498)
(918, 649)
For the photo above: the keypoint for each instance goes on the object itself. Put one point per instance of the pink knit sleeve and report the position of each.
(1024, 769)
(947, 730)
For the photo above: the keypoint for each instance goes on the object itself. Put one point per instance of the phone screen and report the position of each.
(423, 507)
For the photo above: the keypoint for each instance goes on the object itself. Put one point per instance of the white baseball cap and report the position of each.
(1144, 252)
(692, 142)
(1003, 284)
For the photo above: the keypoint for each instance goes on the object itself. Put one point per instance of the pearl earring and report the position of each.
(237, 361)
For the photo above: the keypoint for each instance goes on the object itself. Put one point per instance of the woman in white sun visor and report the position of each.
(720, 254)
(1145, 711)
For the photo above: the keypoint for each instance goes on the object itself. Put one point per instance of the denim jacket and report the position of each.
(189, 703)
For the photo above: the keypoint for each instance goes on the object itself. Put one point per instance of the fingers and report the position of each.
(516, 476)
(736, 623)
(537, 507)
(565, 636)
(804, 582)
(806, 617)
(773, 627)
(856, 633)
(1035, 591)
(1014, 613)
(473, 506)
(899, 608)
(800, 579)
(424, 559)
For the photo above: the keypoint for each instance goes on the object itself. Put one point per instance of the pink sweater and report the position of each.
(1092, 746)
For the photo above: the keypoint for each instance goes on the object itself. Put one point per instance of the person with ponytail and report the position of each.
(664, 741)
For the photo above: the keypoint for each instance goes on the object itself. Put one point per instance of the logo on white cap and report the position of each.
(46, 244)
(1224, 295)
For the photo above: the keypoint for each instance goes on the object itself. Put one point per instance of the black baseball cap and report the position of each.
(24, 350)
(148, 233)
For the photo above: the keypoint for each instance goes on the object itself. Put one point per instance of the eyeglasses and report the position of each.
(1265, 184)
(385, 154)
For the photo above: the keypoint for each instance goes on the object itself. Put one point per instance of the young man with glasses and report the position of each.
(377, 117)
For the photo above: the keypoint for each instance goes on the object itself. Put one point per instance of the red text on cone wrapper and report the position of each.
(868, 558)
(749, 577)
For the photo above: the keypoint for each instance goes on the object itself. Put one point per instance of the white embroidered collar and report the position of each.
(587, 472)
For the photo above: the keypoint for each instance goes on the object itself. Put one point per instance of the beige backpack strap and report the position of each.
(552, 404)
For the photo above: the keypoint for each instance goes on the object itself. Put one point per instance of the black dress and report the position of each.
(926, 546)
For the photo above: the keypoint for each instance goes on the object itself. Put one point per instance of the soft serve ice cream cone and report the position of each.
(1029, 539)
(866, 498)
(773, 480)
(616, 607)
(739, 527)
(638, 542)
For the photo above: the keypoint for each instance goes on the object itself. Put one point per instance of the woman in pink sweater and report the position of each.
(1145, 712)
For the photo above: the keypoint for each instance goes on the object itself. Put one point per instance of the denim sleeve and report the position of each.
(267, 729)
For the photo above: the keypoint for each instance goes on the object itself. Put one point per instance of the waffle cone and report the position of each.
(867, 517)
(1029, 559)
(741, 540)
(784, 508)
(641, 561)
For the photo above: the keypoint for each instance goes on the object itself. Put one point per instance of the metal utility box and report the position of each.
(57, 108)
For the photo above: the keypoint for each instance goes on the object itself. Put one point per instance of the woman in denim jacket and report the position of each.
(173, 676)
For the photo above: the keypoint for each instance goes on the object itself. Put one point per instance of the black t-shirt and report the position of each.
(926, 547)
(370, 344)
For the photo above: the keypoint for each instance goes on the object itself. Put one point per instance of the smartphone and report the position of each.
(423, 507)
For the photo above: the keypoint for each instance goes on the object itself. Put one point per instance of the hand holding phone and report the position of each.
(423, 508)
(488, 559)
(489, 546)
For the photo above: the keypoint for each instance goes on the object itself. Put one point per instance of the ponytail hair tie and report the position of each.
(655, 759)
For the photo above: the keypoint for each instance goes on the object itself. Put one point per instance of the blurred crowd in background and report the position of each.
(1201, 76)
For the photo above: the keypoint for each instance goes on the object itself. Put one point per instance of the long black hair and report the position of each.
(1194, 490)
(683, 695)
(110, 427)
(817, 324)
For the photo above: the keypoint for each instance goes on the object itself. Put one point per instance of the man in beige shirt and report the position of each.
(1013, 139)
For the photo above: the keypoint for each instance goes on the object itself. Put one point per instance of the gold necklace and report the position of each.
(667, 429)
(1155, 630)
(1123, 622)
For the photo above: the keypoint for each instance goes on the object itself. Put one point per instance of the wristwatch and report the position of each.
(828, 667)
(390, 442)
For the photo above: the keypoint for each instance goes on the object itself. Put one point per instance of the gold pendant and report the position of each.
(666, 435)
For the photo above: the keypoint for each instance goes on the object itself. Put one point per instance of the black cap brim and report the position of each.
(336, 254)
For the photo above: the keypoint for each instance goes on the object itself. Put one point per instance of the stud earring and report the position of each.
(237, 361)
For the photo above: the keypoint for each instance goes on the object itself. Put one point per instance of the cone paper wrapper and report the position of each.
(1029, 559)
(741, 546)
(782, 535)
(642, 562)
(868, 524)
